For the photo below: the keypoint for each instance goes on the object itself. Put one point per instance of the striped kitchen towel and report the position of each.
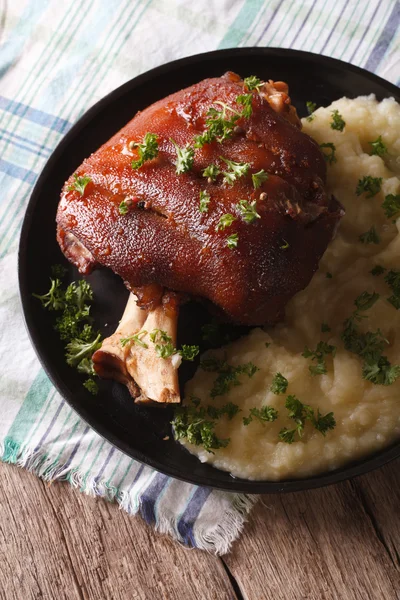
(56, 60)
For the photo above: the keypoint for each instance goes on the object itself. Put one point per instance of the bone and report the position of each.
(149, 378)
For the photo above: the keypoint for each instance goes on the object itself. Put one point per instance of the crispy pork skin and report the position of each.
(164, 241)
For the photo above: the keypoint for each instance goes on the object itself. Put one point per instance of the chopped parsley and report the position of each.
(285, 245)
(318, 355)
(79, 184)
(184, 158)
(378, 147)
(377, 270)
(337, 121)
(236, 170)
(224, 222)
(259, 178)
(370, 237)
(91, 386)
(330, 157)
(391, 205)
(246, 101)
(253, 83)
(392, 278)
(194, 424)
(300, 413)
(328, 275)
(211, 172)
(147, 150)
(135, 339)
(311, 106)
(165, 348)
(232, 241)
(369, 345)
(219, 126)
(369, 186)
(325, 328)
(205, 199)
(264, 414)
(279, 384)
(73, 324)
(227, 374)
(248, 210)
(123, 207)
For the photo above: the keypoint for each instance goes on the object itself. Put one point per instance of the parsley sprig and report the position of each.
(279, 384)
(370, 237)
(369, 186)
(391, 205)
(147, 150)
(311, 106)
(184, 158)
(79, 184)
(253, 83)
(265, 414)
(235, 170)
(211, 172)
(196, 424)
(259, 178)
(329, 156)
(322, 350)
(392, 278)
(225, 221)
(227, 375)
(369, 345)
(378, 147)
(74, 323)
(338, 122)
(248, 210)
(300, 413)
(205, 200)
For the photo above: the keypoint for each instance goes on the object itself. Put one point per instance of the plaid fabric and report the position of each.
(56, 60)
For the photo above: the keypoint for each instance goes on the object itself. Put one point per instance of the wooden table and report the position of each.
(341, 542)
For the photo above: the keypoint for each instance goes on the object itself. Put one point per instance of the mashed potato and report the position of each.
(367, 415)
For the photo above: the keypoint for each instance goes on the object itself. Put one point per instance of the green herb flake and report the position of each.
(378, 147)
(328, 275)
(211, 172)
(147, 150)
(253, 83)
(123, 208)
(135, 339)
(285, 245)
(369, 186)
(279, 384)
(91, 386)
(246, 101)
(325, 328)
(391, 205)
(311, 107)
(377, 270)
(205, 200)
(79, 184)
(236, 171)
(219, 126)
(318, 355)
(370, 237)
(337, 121)
(329, 156)
(54, 299)
(227, 375)
(193, 424)
(300, 413)
(259, 178)
(184, 158)
(224, 222)
(248, 211)
(232, 241)
(265, 414)
(189, 352)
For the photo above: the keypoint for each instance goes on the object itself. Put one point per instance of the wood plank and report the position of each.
(323, 544)
(58, 543)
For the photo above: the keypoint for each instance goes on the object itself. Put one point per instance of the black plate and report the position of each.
(137, 431)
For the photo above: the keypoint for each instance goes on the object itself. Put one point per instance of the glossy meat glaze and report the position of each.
(164, 241)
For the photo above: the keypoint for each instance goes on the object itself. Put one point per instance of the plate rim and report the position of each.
(237, 485)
